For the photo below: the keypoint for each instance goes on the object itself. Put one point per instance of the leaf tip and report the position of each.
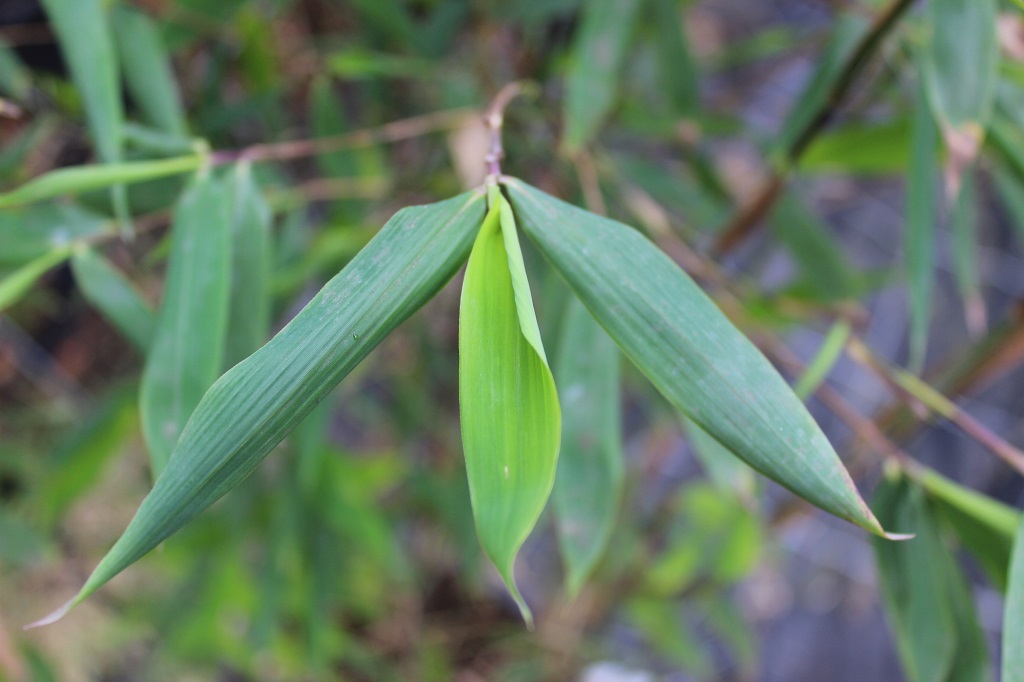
(53, 617)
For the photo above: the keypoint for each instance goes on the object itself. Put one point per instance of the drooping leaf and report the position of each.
(914, 584)
(919, 246)
(16, 284)
(30, 232)
(1013, 616)
(249, 410)
(961, 61)
(687, 348)
(114, 296)
(187, 351)
(147, 69)
(588, 485)
(983, 525)
(598, 53)
(249, 309)
(87, 178)
(511, 423)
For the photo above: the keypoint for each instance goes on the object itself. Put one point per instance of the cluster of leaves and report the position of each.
(216, 396)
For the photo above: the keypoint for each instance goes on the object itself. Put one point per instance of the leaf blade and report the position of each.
(113, 295)
(1013, 618)
(507, 400)
(657, 315)
(253, 406)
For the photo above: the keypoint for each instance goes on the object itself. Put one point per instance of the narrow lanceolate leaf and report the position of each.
(147, 69)
(964, 222)
(187, 351)
(688, 349)
(88, 178)
(114, 296)
(678, 69)
(250, 409)
(588, 485)
(1013, 617)
(507, 400)
(919, 247)
(249, 317)
(961, 61)
(88, 48)
(913, 584)
(592, 83)
(33, 231)
(15, 285)
(821, 365)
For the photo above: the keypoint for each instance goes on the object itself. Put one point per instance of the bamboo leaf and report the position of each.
(249, 310)
(588, 485)
(147, 69)
(114, 296)
(507, 400)
(678, 69)
(1013, 617)
(88, 178)
(15, 79)
(250, 409)
(187, 350)
(965, 256)
(723, 469)
(919, 248)
(961, 61)
(598, 53)
(16, 284)
(687, 348)
(913, 584)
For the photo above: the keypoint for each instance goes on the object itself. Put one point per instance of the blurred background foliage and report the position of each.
(840, 175)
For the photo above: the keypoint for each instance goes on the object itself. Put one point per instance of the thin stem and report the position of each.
(494, 120)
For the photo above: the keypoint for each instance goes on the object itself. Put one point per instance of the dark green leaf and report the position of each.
(588, 486)
(677, 336)
(254, 405)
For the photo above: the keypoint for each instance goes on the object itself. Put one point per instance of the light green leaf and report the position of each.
(598, 53)
(684, 344)
(87, 178)
(147, 69)
(963, 224)
(983, 525)
(724, 469)
(249, 316)
(588, 485)
(919, 247)
(914, 583)
(508, 405)
(860, 149)
(18, 283)
(87, 45)
(250, 409)
(31, 232)
(187, 351)
(15, 79)
(961, 62)
(1013, 617)
(821, 365)
(114, 296)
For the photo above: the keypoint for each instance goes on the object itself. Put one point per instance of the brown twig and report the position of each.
(747, 218)
(494, 120)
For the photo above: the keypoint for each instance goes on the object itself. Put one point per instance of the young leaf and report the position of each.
(508, 405)
(1013, 618)
(588, 485)
(598, 53)
(114, 296)
(187, 351)
(919, 248)
(18, 283)
(87, 178)
(147, 69)
(250, 409)
(914, 583)
(688, 349)
(249, 311)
